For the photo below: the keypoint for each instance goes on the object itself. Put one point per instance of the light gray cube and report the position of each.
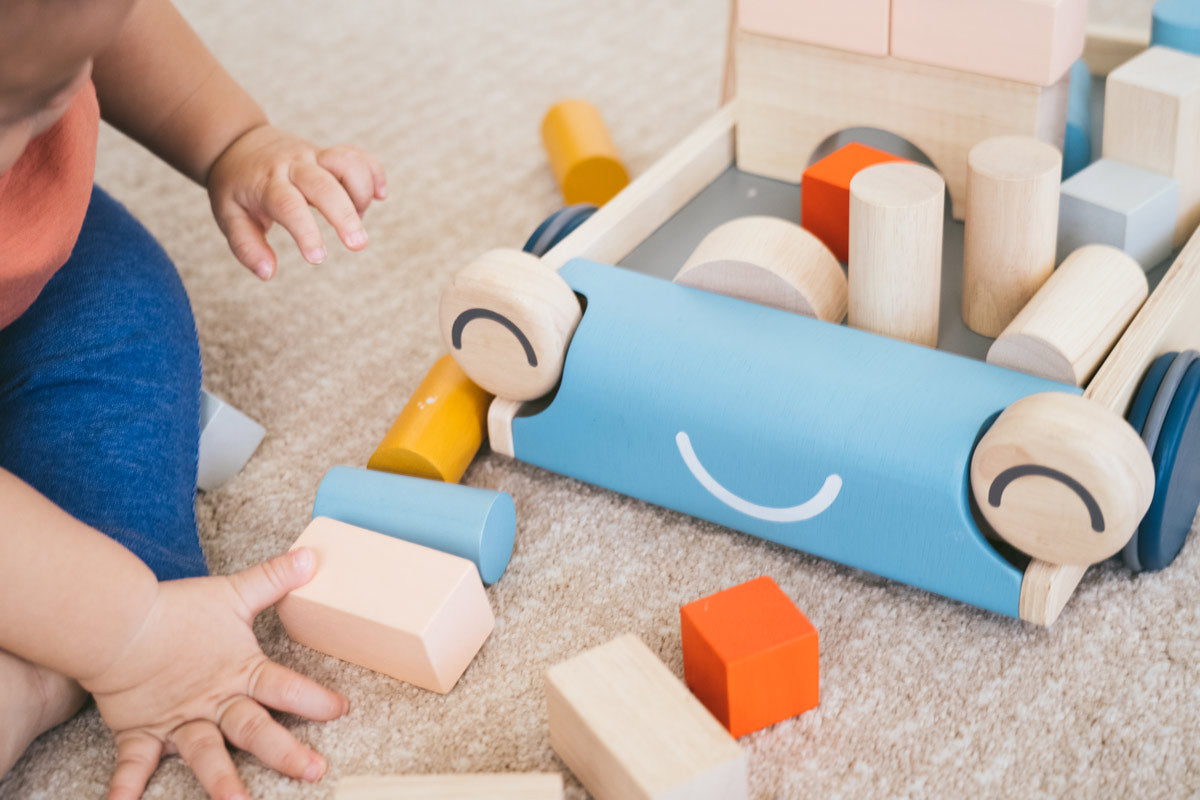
(1113, 203)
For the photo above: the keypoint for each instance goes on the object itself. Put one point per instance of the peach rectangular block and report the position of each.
(1031, 41)
(1152, 121)
(482, 786)
(416, 614)
(860, 26)
(630, 730)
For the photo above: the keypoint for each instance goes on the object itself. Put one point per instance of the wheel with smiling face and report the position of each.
(1062, 478)
(508, 319)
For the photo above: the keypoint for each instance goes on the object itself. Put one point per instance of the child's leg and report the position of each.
(100, 392)
(33, 699)
(99, 411)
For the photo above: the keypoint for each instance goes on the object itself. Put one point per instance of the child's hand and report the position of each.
(195, 676)
(269, 176)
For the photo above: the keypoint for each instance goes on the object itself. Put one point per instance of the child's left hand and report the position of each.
(268, 176)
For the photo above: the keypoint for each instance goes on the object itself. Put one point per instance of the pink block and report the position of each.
(416, 614)
(860, 26)
(1030, 41)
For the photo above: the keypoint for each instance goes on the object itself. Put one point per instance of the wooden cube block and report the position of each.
(501, 786)
(227, 440)
(1031, 41)
(1121, 205)
(1152, 121)
(750, 656)
(1177, 25)
(630, 730)
(825, 193)
(860, 26)
(416, 614)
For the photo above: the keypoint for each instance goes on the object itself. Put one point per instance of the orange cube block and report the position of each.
(825, 194)
(750, 656)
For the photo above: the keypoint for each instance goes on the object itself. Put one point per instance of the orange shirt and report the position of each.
(43, 199)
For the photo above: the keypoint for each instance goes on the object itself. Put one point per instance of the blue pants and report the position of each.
(100, 393)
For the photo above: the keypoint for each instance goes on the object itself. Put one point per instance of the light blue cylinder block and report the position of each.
(1177, 25)
(838, 442)
(1077, 147)
(476, 524)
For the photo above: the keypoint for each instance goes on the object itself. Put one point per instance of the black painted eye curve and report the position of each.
(472, 314)
(1009, 475)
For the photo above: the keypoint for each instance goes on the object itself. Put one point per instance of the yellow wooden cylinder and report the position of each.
(440, 429)
(582, 155)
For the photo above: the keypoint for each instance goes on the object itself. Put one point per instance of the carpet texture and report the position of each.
(920, 696)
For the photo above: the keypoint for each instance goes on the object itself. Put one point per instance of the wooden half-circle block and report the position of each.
(507, 319)
(1075, 318)
(770, 261)
(1062, 478)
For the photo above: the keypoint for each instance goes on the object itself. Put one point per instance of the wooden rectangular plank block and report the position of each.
(1152, 121)
(1031, 41)
(416, 614)
(630, 730)
(481, 786)
(792, 97)
(859, 26)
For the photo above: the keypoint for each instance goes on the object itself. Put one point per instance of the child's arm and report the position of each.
(174, 666)
(159, 83)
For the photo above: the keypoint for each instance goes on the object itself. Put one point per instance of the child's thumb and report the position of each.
(264, 584)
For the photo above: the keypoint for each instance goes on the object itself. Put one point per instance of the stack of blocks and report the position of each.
(750, 656)
(809, 69)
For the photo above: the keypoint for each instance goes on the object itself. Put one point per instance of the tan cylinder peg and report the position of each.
(896, 214)
(1011, 228)
(1075, 318)
(507, 319)
(770, 261)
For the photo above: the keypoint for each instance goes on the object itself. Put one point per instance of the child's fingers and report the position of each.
(137, 758)
(265, 583)
(359, 172)
(248, 242)
(202, 748)
(330, 198)
(278, 687)
(247, 725)
(288, 206)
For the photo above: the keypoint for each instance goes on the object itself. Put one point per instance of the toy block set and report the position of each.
(736, 395)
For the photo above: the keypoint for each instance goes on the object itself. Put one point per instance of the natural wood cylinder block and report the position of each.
(1062, 478)
(1075, 318)
(507, 319)
(896, 213)
(770, 261)
(1011, 228)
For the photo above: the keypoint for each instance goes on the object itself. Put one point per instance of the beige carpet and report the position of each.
(921, 697)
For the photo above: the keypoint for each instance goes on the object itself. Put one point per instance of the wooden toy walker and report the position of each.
(917, 464)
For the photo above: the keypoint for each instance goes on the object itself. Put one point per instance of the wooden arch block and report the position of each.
(750, 656)
(772, 262)
(825, 193)
(629, 729)
(1030, 41)
(1152, 121)
(860, 26)
(416, 614)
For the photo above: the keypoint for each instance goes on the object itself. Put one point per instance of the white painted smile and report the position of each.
(822, 500)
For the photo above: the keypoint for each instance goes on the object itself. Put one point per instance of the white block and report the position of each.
(227, 440)
(1118, 204)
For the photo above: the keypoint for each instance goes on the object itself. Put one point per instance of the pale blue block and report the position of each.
(1177, 25)
(1114, 203)
(1077, 147)
(830, 440)
(476, 524)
